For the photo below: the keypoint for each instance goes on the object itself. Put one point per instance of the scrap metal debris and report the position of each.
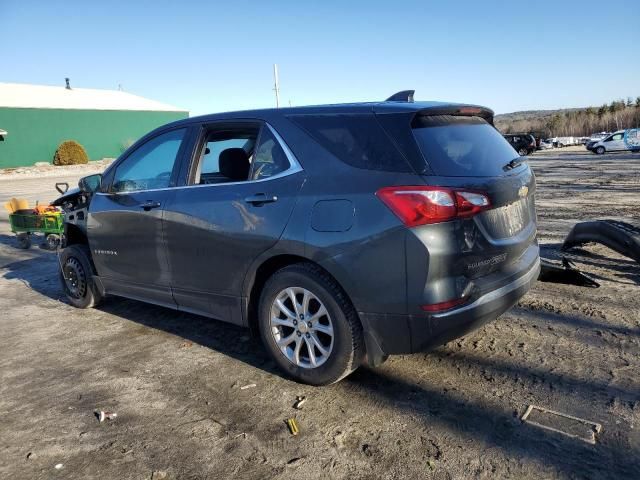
(102, 415)
(300, 400)
(293, 426)
(566, 273)
(251, 385)
(562, 423)
(622, 237)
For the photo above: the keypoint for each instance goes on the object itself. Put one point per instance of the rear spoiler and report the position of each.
(407, 97)
(460, 111)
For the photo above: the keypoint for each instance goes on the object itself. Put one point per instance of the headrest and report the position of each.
(234, 164)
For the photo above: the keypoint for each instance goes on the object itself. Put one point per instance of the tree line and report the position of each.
(618, 115)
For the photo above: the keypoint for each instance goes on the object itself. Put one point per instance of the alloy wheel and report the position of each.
(301, 327)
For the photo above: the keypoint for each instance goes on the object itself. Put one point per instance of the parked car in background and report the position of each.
(560, 142)
(545, 144)
(426, 231)
(3, 133)
(595, 138)
(618, 141)
(523, 143)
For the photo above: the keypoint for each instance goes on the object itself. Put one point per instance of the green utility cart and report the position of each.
(26, 222)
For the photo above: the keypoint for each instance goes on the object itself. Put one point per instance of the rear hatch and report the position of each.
(464, 153)
(469, 153)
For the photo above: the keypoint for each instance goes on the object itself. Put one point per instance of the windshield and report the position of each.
(462, 146)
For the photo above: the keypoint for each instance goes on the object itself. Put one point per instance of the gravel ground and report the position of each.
(176, 380)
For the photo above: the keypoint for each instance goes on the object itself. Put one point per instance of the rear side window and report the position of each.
(462, 146)
(269, 159)
(357, 140)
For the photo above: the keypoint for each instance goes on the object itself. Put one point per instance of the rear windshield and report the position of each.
(462, 146)
(357, 140)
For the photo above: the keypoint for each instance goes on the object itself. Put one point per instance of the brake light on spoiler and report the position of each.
(422, 205)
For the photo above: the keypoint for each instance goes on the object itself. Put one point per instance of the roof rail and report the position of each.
(403, 96)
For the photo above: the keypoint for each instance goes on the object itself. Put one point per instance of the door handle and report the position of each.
(149, 204)
(260, 198)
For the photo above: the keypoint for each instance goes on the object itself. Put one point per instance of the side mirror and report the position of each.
(62, 187)
(90, 184)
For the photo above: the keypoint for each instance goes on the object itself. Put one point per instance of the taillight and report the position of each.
(439, 307)
(421, 205)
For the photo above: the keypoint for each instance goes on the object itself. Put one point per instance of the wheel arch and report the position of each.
(75, 235)
(260, 275)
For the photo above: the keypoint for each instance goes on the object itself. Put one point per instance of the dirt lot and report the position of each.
(176, 380)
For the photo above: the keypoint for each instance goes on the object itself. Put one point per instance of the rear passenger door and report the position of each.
(241, 190)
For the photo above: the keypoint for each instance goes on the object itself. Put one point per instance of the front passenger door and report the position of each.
(616, 142)
(125, 220)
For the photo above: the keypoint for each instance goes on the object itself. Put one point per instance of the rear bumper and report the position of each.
(400, 334)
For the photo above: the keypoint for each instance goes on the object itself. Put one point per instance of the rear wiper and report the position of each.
(514, 163)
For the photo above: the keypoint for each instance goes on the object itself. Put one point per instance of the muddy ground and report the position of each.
(176, 380)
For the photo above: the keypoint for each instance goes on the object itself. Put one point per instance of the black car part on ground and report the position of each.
(565, 273)
(622, 237)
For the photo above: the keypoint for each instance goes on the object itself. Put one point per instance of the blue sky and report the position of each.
(211, 56)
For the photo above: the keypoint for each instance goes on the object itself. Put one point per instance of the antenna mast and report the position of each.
(276, 86)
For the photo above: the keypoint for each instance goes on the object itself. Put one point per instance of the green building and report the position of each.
(37, 118)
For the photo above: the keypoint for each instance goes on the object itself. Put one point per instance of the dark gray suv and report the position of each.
(340, 233)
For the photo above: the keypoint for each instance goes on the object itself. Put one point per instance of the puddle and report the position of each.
(562, 423)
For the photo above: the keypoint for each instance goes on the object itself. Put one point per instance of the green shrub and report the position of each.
(70, 152)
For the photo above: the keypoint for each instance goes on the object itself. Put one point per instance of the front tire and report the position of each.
(76, 277)
(309, 326)
(600, 150)
(522, 152)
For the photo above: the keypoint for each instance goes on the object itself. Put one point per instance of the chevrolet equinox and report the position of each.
(340, 233)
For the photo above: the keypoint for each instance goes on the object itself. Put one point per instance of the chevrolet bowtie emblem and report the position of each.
(523, 191)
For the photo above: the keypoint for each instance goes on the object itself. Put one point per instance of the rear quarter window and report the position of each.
(455, 146)
(357, 140)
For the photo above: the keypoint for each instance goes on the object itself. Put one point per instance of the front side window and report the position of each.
(151, 165)
(618, 136)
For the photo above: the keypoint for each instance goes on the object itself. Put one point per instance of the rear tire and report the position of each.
(76, 277)
(315, 347)
(24, 240)
(53, 240)
(600, 150)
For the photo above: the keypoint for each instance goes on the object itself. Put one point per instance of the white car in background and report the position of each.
(619, 141)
